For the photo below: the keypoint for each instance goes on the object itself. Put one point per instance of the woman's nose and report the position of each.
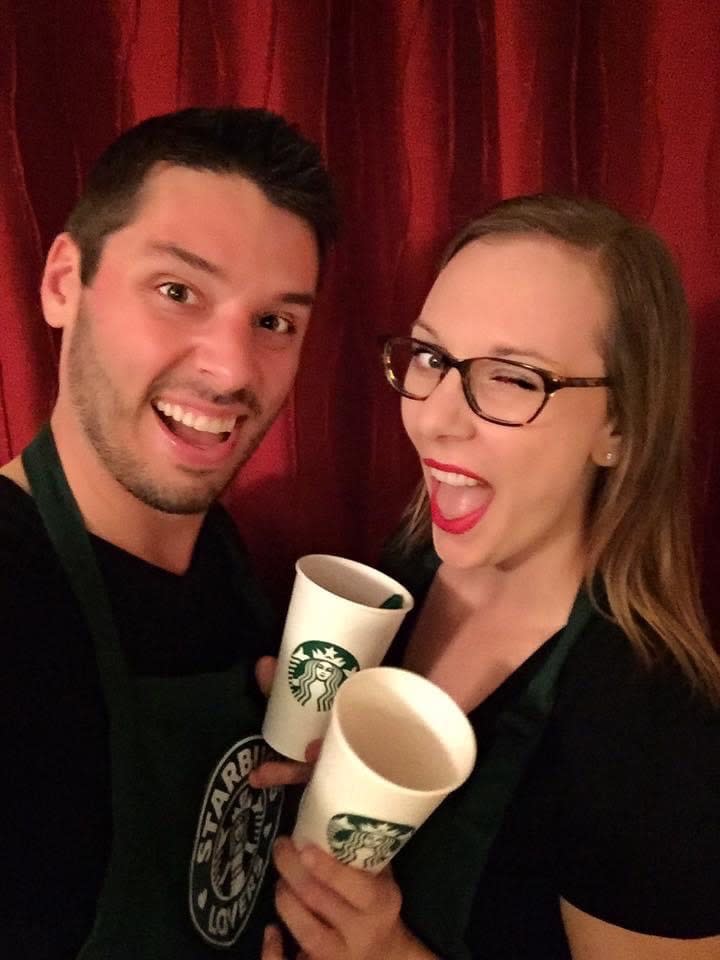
(446, 411)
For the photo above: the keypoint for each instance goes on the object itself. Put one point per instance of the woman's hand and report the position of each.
(280, 773)
(272, 944)
(336, 912)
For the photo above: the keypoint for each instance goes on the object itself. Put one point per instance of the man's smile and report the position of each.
(176, 417)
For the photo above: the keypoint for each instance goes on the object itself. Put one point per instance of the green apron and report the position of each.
(191, 840)
(461, 832)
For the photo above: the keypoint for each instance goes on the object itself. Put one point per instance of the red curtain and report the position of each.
(427, 110)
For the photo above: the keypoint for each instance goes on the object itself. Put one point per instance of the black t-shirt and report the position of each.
(618, 810)
(56, 807)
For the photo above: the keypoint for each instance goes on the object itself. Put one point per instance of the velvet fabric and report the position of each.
(427, 111)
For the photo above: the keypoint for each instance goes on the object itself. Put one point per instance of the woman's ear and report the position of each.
(61, 284)
(606, 450)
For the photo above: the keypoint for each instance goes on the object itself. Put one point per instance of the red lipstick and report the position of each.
(465, 521)
(452, 468)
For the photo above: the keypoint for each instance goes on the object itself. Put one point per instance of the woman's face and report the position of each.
(503, 495)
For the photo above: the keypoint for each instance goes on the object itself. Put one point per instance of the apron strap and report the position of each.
(265, 633)
(519, 730)
(477, 811)
(65, 526)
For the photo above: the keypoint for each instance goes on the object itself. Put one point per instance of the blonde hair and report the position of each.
(639, 539)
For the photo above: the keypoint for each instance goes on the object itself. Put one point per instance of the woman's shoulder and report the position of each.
(637, 757)
(611, 699)
(606, 673)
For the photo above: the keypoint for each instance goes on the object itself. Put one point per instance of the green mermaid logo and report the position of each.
(365, 842)
(316, 671)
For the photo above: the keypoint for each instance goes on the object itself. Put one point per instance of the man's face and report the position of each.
(186, 342)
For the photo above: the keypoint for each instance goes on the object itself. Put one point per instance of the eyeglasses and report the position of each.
(502, 391)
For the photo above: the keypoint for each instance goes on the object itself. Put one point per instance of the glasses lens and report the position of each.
(414, 369)
(505, 391)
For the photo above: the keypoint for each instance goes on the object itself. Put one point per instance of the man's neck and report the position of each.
(113, 513)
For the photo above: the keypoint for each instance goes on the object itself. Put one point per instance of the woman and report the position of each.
(545, 387)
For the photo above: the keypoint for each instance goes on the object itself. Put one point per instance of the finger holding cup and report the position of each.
(342, 618)
(396, 746)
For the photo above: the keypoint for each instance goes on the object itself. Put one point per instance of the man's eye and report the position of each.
(276, 323)
(177, 292)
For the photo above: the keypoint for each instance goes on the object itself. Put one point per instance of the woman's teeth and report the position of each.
(453, 479)
(198, 421)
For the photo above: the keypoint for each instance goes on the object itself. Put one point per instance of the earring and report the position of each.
(609, 456)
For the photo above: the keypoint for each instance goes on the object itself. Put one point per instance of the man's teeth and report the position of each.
(198, 421)
(453, 479)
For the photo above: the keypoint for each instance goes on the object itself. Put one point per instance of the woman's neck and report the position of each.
(479, 624)
(542, 585)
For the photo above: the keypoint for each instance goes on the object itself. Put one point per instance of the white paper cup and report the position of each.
(396, 746)
(335, 625)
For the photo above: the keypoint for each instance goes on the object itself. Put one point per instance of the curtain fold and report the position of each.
(427, 110)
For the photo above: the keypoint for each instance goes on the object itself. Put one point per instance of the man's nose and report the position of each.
(225, 351)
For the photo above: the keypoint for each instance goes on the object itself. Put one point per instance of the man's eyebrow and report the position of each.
(188, 257)
(200, 263)
(298, 299)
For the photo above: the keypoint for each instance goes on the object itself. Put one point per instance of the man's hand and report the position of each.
(280, 773)
(265, 674)
(336, 912)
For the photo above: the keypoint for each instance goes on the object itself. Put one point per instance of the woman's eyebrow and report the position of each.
(499, 350)
(508, 350)
(426, 326)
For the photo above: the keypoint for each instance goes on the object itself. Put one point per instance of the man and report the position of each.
(183, 286)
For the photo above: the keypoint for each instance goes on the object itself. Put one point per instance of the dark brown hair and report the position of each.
(255, 143)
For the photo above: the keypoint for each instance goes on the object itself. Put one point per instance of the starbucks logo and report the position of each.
(236, 829)
(365, 842)
(316, 670)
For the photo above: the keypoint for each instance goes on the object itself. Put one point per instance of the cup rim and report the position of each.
(437, 692)
(408, 599)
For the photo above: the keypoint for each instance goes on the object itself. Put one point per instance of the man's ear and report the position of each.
(61, 286)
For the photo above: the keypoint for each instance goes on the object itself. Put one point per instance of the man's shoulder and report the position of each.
(15, 471)
(22, 533)
(38, 609)
(31, 578)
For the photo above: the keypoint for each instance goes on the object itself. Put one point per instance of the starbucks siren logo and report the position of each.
(316, 670)
(365, 842)
(236, 829)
